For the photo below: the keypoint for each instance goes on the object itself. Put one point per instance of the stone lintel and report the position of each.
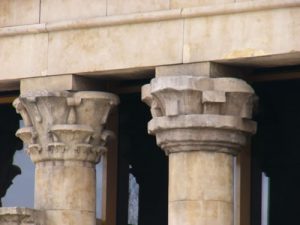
(204, 69)
(67, 82)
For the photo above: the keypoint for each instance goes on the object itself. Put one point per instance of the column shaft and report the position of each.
(200, 188)
(66, 188)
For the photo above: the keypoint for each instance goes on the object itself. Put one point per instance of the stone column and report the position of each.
(65, 137)
(201, 123)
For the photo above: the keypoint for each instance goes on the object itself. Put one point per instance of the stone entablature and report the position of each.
(136, 41)
(21, 216)
(199, 113)
(64, 125)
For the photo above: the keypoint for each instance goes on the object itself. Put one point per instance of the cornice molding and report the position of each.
(149, 17)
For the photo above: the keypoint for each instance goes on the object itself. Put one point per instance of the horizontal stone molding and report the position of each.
(212, 133)
(136, 18)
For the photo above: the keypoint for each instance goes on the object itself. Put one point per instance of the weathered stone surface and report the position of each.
(19, 12)
(65, 137)
(117, 47)
(193, 69)
(200, 213)
(57, 10)
(67, 82)
(23, 55)
(250, 34)
(73, 189)
(21, 216)
(200, 188)
(195, 3)
(198, 175)
(201, 123)
(211, 114)
(256, 33)
(70, 217)
(115, 7)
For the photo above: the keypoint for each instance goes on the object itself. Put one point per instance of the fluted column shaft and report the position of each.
(65, 137)
(201, 123)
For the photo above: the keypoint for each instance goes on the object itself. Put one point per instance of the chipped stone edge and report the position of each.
(165, 15)
(33, 215)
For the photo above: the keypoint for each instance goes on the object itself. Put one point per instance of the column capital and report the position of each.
(65, 125)
(199, 113)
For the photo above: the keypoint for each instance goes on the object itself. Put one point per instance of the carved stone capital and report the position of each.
(65, 125)
(20, 216)
(199, 113)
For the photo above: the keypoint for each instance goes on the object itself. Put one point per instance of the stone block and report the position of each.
(59, 83)
(23, 56)
(242, 35)
(19, 12)
(115, 7)
(117, 47)
(195, 3)
(57, 10)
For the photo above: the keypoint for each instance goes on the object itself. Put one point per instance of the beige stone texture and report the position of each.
(249, 34)
(115, 7)
(200, 188)
(118, 47)
(195, 3)
(68, 82)
(65, 125)
(200, 213)
(63, 185)
(256, 33)
(70, 217)
(200, 176)
(23, 56)
(204, 69)
(50, 83)
(21, 216)
(200, 123)
(58, 10)
(192, 69)
(19, 12)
